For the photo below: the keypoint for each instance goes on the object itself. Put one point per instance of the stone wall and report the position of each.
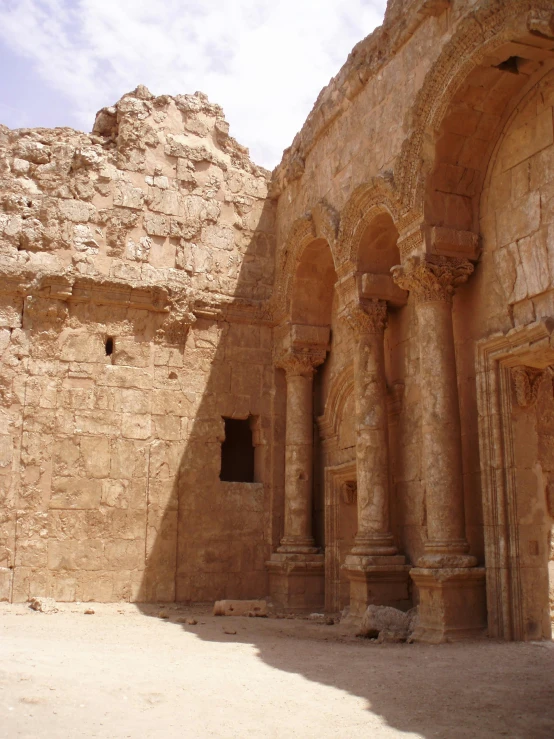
(132, 261)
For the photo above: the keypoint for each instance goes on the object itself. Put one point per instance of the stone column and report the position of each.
(368, 320)
(298, 455)
(296, 569)
(450, 585)
(376, 572)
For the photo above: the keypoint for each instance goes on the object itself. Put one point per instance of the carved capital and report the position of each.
(432, 278)
(301, 362)
(527, 382)
(175, 328)
(367, 317)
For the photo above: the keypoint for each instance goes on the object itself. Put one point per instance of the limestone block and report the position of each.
(521, 143)
(156, 224)
(62, 587)
(129, 459)
(76, 210)
(241, 608)
(388, 624)
(124, 554)
(43, 605)
(75, 555)
(99, 422)
(127, 196)
(164, 201)
(135, 426)
(534, 261)
(130, 400)
(71, 492)
(95, 586)
(522, 219)
(5, 583)
(129, 524)
(82, 347)
(31, 553)
(124, 376)
(6, 450)
(95, 456)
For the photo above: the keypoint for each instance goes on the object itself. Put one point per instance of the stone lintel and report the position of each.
(451, 242)
(382, 287)
(452, 604)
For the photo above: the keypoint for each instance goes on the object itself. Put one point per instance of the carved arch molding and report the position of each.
(475, 37)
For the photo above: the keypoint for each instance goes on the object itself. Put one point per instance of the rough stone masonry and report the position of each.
(331, 384)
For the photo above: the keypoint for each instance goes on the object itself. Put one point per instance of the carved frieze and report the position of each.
(432, 278)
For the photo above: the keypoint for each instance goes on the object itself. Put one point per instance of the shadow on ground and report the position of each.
(478, 689)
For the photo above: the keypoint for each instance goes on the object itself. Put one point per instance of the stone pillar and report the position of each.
(376, 572)
(296, 569)
(451, 587)
(298, 456)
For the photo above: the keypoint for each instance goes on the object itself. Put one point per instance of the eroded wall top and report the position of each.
(158, 193)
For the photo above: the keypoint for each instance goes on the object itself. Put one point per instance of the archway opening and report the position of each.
(377, 250)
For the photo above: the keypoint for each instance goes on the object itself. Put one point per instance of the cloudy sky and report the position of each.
(264, 61)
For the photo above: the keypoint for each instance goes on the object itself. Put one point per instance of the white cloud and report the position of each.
(264, 61)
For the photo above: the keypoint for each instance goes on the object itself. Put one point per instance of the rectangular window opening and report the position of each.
(237, 451)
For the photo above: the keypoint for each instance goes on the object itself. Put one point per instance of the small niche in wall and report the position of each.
(109, 345)
(237, 451)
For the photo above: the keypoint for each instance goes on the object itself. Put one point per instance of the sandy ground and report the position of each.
(126, 672)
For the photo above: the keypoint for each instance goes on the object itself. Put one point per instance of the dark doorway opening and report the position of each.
(237, 451)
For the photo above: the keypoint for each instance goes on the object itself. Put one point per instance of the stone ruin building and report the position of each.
(332, 384)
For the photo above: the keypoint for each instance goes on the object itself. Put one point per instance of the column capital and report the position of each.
(301, 362)
(367, 317)
(432, 278)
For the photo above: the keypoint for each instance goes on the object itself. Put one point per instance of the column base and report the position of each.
(452, 604)
(297, 581)
(380, 581)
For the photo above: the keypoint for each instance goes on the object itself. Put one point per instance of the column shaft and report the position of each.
(372, 442)
(433, 281)
(298, 462)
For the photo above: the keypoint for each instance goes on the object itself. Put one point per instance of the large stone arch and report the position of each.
(478, 47)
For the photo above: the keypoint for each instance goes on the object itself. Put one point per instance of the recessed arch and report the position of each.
(313, 285)
(492, 58)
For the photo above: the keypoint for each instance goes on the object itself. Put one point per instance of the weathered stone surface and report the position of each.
(388, 624)
(163, 300)
(43, 605)
(257, 608)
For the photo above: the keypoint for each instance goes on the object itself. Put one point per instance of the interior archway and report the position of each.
(313, 285)
(377, 249)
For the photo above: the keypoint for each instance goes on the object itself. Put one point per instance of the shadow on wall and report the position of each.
(208, 539)
(478, 689)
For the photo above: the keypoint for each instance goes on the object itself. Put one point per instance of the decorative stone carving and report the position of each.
(432, 278)
(349, 492)
(301, 362)
(527, 381)
(368, 317)
(175, 328)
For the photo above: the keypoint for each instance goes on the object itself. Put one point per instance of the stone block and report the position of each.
(452, 604)
(6, 575)
(74, 492)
